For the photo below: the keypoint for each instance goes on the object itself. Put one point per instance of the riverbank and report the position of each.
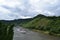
(44, 32)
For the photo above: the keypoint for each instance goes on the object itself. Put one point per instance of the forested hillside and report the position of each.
(45, 23)
(50, 24)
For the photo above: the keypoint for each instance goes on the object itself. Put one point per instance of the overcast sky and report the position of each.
(16, 9)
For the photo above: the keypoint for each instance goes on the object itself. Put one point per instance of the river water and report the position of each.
(25, 34)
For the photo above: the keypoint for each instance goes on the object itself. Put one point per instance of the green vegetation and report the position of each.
(6, 31)
(45, 23)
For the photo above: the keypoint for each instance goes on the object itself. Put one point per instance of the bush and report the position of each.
(6, 31)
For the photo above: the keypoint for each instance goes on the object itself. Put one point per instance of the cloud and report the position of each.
(15, 9)
(10, 3)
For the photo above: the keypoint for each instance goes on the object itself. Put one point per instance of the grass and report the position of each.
(50, 25)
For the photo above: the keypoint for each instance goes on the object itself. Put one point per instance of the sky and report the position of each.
(17, 9)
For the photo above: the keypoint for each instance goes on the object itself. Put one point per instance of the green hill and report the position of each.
(44, 23)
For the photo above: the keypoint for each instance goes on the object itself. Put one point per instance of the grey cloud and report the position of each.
(28, 10)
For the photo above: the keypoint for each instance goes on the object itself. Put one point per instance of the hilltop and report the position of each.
(44, 23)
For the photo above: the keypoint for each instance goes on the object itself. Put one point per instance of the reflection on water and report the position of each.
(6, 32)
(25, 34)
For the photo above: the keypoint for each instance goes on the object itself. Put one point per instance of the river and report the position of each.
(25, 34)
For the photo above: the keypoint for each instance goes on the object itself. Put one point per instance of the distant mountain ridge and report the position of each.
(16, 21)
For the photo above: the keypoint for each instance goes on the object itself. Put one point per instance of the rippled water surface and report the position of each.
(25, 34)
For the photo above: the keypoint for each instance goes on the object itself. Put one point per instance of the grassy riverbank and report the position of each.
(46, 32)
